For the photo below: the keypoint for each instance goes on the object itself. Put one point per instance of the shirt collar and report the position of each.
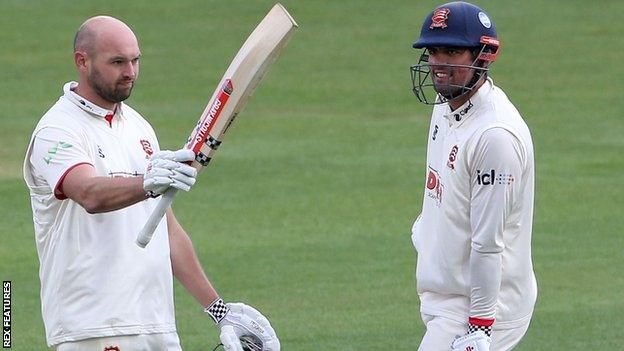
(70, 94)
(469, 107)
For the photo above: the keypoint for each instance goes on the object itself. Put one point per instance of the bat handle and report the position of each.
(145, 235)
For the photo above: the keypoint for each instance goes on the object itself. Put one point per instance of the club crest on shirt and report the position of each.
(147, 147)
(452, 157)
(434, 186)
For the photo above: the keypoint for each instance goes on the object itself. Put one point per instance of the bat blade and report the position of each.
(247, 69)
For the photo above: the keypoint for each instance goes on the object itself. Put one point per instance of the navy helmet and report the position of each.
(456, 24)
(461, 25)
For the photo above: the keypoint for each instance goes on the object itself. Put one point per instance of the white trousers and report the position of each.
(442, 331)
(143, 342)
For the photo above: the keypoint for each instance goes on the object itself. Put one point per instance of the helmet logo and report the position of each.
(485, 20)
(439, 18)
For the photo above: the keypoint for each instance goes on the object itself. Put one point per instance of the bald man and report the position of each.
(94, 169)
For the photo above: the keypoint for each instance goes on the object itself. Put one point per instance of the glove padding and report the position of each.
(231, 342)
(165, 169)
(243, 322)
(475, 341)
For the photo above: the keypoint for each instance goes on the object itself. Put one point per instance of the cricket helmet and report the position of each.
(456, 24)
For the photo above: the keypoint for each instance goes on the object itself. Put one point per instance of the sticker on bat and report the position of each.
(206, 124)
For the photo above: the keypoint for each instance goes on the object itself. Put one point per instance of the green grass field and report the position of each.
(306, 211)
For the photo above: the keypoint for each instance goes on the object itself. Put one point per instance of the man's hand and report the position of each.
(165, 169)
(476, 341)
(229, 340)
(246, 323)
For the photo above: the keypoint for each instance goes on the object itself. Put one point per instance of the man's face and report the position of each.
(449, 81)
(113, 71)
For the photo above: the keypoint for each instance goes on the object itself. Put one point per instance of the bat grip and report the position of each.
(145, 235)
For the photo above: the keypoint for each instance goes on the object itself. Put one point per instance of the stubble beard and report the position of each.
(448, 91)
(114, 94)
(452, 90)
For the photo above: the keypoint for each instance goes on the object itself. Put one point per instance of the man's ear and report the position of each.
(80, 59)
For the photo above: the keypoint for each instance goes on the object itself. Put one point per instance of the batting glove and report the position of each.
(242, 327)
(165, 169)
(475, 341)
(231, 342)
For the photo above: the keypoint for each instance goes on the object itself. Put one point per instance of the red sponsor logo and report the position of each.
(452, 157)
(211, 115)
(469, 348)
(147, 147)
(112, 348)
(494, 44)
(439, 18)
(434, 186)
(432, 180)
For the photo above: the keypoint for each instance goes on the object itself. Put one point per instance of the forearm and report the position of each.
(485, 273)
(104, 194)
(186, 266)
(97, 194)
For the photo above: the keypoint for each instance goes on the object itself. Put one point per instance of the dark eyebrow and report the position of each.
(459, 48)
(123, 58)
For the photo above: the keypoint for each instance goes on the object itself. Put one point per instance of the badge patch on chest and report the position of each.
(452, 157)
(434, 186)
(147, 147)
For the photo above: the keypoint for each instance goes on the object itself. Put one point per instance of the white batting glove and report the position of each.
(475, 341)
(248, 325)
(229, 339)
(165, 169)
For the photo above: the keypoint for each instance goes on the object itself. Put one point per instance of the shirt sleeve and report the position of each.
(55, 152)
(496, 171)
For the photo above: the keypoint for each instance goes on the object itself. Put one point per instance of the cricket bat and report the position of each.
(243, 75)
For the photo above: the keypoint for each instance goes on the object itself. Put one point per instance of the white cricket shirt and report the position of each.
(95, 281)
(473, 235)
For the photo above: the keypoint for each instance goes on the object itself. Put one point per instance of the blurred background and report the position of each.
(305, 212)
